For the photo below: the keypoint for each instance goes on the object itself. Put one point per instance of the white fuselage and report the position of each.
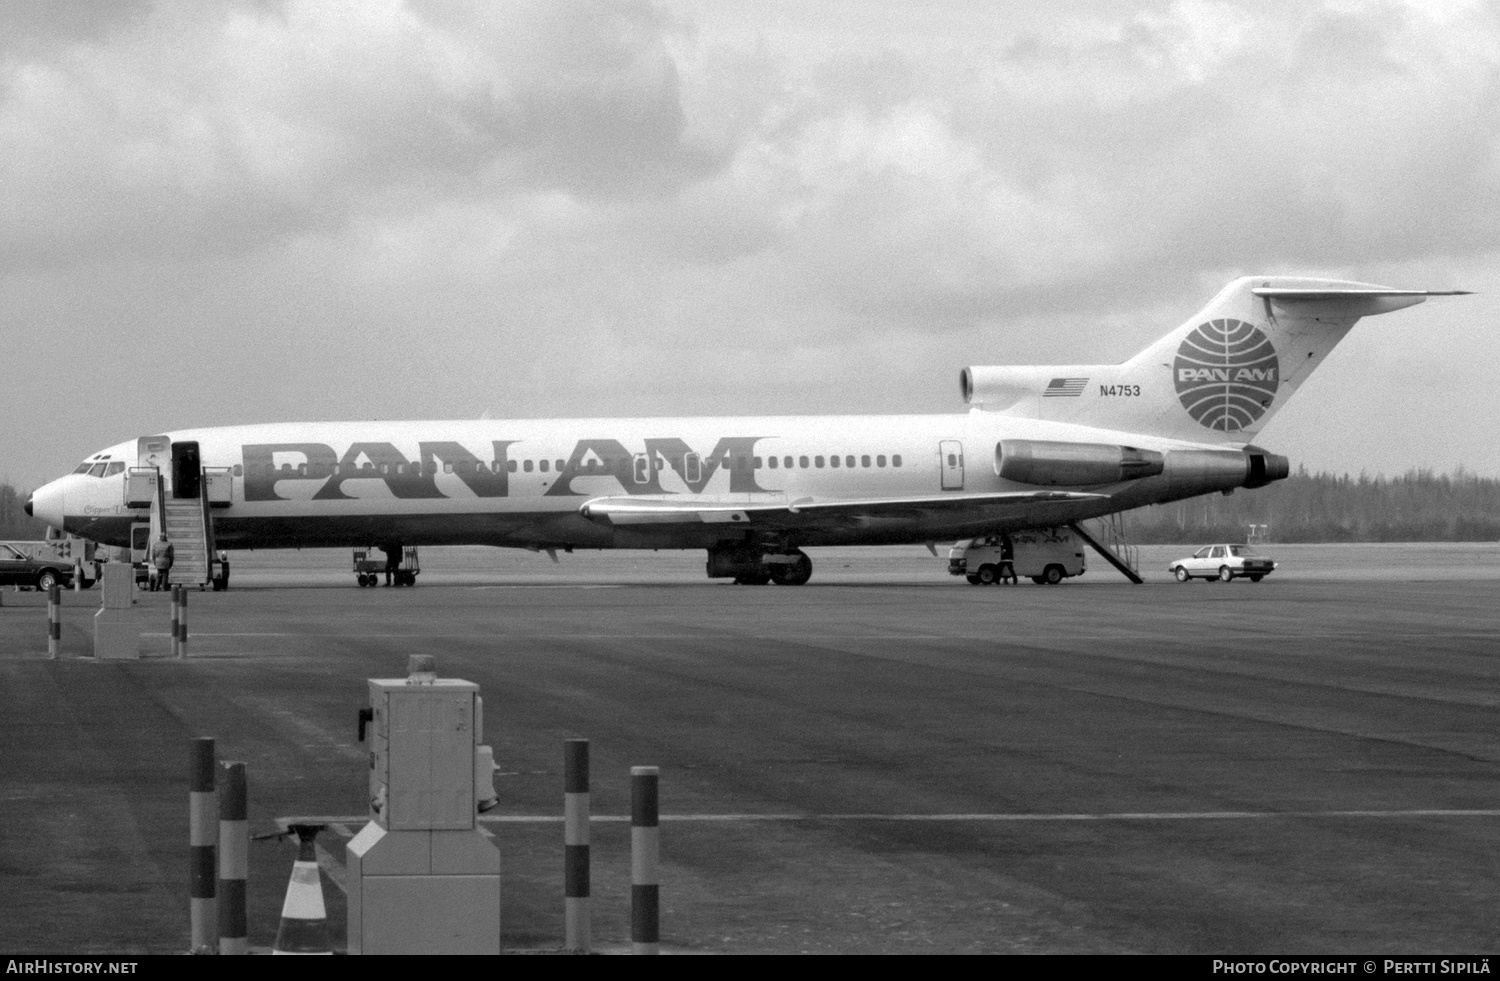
(524, 482)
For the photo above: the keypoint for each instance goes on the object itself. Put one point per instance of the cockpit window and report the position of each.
(116, 467)
(97, 470)
(83, 467)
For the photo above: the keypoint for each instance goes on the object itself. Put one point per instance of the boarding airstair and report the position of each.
(188, 525)
(1107, 536)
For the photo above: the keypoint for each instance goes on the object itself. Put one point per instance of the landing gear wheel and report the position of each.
(974, 580)
(1224, 574)
(1053, 575)
(793, 573)
(753, 578)
(987, 575)
(1182, 574)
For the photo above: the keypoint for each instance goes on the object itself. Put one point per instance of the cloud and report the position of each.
(226, 127)
(630, 206)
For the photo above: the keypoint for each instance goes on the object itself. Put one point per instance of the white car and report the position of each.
(1222, 562)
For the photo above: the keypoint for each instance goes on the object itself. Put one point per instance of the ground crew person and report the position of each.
(1007, 561)
(161, 562)
(392, 561)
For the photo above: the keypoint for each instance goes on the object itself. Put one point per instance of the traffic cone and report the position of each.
(304, 919)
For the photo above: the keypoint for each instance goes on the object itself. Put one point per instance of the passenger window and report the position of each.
(818, 461)
(771, 462)
(562, 465)
(864, 461)
(787, 462)
(757, 463)
(447, 468)
(692, 468)
(510, 465)
(802, 462)
(848, 461)
(527, 467)
(302, 470)
(642, 469)
(543, 465)
(239, 469)
(880, 460)
(833, 461)
(896, 460)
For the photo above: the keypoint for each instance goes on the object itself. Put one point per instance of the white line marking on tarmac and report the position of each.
(1124, 816)
(348, 822)
(332, 868)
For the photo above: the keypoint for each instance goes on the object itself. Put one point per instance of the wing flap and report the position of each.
(805, 511)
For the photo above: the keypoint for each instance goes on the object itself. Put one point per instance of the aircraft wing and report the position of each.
(681, 509)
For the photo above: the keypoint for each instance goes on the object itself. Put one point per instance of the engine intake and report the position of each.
(1048, 463)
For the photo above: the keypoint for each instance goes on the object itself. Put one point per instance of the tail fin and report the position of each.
(1219, 378)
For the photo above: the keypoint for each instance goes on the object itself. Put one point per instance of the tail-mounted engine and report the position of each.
(1046, 463)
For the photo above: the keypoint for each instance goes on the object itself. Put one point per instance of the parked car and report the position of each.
(42, 571)
(1222, 562)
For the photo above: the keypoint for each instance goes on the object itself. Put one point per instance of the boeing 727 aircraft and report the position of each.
(1038, 447)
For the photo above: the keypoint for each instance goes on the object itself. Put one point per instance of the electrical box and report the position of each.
(422, 754)
(423, 875)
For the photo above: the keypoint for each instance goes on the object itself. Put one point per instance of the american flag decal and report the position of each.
(1065, 388)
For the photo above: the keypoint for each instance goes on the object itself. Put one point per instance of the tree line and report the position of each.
(15, 523)
(1418, 506)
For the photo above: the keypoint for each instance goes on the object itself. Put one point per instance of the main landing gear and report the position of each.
(750, 566)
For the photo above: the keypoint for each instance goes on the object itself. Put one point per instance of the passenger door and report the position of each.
(951, 461)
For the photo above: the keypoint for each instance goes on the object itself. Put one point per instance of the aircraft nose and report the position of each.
(48, 503)
(28, 505)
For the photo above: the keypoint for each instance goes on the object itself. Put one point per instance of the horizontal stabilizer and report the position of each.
(1346, 301)
(1326, 294)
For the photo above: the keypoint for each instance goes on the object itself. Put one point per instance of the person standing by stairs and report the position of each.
(161, 562)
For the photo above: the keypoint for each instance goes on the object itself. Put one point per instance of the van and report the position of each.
(1046, 555)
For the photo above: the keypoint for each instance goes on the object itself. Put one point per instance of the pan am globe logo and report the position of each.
(1226, 374)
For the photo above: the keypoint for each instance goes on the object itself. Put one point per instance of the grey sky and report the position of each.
(435, 209)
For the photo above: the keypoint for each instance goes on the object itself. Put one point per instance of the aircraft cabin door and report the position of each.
(187, 470)
(951, 461)
(153, 451)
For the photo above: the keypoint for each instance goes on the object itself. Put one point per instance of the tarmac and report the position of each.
(885, 760)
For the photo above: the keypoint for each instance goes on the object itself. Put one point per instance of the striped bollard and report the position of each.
(54, 620)
(176, 650)
(645, 895)
(234, 860)
(203, 832)
(78, 576)
(182, 621)
(578, 935)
